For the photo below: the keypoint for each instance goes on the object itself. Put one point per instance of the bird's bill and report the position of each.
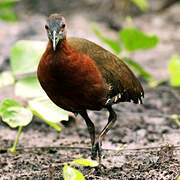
(54, 40)
(56, 37)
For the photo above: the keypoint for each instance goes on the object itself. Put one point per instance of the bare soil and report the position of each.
(145, 141)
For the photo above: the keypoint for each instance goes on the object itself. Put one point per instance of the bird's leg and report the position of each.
(90, 126)
(97, 146)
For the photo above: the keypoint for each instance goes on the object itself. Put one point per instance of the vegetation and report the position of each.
(174, 70)
(70, 173)
(141, 4)
(24, 59)
(6, 10)
(129, 40)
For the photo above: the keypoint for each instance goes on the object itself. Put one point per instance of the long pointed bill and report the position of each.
(54, 40)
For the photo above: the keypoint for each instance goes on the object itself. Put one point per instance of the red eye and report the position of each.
(46, 27)
(63, 26)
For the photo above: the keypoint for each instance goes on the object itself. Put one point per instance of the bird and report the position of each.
(79, 76)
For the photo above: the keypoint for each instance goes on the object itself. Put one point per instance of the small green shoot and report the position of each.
(70, 173)
(176, 118)
(15, 116)
(13, 149)
(174, 70)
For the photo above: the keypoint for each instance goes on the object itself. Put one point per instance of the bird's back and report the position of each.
(122, 83)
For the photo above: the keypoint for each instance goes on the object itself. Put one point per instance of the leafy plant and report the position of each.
(24, 59)
(6, 10)
(70, 173)
(141, 4)
(131, 39)
(15, 115)
(174, 70)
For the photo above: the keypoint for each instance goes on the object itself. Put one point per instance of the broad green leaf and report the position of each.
(140, 70)
(14, 114)
(85, 162)
(114, 45)
(45, 109)
(133, 39)
(29, 87)
(174, 70)
(178, 178)
(25, 56)
(70, 173)
(6, 78)
(141, 4)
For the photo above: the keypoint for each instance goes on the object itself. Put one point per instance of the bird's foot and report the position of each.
(96, 151)
(98, 170)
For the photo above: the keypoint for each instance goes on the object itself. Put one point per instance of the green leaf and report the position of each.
(114, 45)
(141, 4)
(140, 70)
(178, 178)
(45, 109)
(133, 39)
(6, 10)
(174, 70)
(14, 114)
(85, 162)
(7, 14)
(25, 56)
(6, 78)
(70, 173)
(7, 2)
(176, 118)
(29, 87)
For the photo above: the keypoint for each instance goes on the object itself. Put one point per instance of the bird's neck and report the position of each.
(62, 47)
(64, 56)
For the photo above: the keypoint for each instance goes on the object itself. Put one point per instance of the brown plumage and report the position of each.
(78, 75)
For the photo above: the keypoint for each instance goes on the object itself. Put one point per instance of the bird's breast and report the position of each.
(72, 81)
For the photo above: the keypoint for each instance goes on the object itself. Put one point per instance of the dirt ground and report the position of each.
(145, 142)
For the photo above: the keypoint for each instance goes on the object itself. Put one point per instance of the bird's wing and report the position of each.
(122, 83)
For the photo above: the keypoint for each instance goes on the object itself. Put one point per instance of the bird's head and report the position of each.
(56, 29)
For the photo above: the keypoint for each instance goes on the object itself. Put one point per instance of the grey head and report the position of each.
(56, 29)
